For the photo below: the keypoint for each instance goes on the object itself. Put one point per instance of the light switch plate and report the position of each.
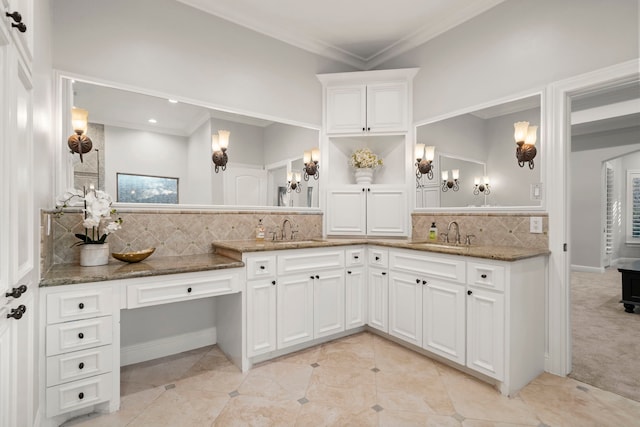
(535, 191)
(535, 224)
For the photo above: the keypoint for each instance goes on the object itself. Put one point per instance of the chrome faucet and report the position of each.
(457, 235)
(284, 224)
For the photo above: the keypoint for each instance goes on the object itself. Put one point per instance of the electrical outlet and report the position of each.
(535, 224)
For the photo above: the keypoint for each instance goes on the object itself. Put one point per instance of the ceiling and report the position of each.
(362, 33)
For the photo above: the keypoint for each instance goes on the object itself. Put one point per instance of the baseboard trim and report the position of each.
(587, 269)
(167, 346)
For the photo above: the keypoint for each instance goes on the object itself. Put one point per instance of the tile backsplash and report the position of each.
(497, 229)
(186, 232)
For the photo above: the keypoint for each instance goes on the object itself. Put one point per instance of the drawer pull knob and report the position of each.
(17, 17)
(17, 292)
(311, 277)
(384, 273)
(81, 365)
(262, 267)
(81, 305)
(273, 282)
(17, 313)
(348, 272)
(81, 335)
(417, 281)
(469, 292)
(317, 277)
(424, 282)
(377, 258)
(484, 276)
(81, 396)
(188, 290)
(356, 257)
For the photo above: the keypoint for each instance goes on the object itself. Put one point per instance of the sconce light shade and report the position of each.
(481, 188)
(293, 184)
(424, 160)
(311, 166)
(219, 144)
(525, 137)
(450, 183)
(79, 142)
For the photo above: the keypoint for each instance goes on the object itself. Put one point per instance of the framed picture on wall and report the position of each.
(133, 188)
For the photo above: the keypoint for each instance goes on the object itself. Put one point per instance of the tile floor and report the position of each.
(361, 380)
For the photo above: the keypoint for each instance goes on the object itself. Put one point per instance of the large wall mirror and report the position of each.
(159, 147)
(478, 148)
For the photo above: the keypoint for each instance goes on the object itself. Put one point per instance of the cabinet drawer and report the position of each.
(82, 304)
(355, 257)
(416, 262)
(79, 335)
(486, 275)
(78, 394)
(378, 257)
(305, 260)
(182, 289)
(79, 364)
(261, 267)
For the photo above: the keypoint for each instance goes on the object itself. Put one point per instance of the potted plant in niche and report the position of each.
(364, 161)
(98, 223)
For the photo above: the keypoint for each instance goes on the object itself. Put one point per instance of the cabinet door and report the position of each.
(444, 319)
(261, 316)
(485, 332)
(387, 107)
(346, 211)
(346, 109)
(405, 307)
(328, 307)
(355, 298)
(295, 310)
(387, 212)
(378, 284)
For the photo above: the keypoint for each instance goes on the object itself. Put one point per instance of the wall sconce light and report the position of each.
(311, 166)
(79, 142)
(424, 160)
(481, 188)
(219, 144)
(525, 137)
(450, 183)
(293, 184)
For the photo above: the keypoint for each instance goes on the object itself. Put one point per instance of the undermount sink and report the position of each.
(450, 246)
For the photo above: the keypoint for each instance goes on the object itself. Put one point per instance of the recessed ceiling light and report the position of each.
(173, 101)
(153, 121)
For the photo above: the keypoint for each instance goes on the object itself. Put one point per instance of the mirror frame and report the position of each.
(64, 164)
(541, 160)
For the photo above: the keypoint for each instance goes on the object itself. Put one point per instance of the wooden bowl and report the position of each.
(136, 256)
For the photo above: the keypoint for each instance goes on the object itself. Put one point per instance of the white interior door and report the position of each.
(245, 186)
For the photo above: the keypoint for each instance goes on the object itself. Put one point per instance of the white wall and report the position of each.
(147, 153)
(586, 195)
(198, 188)
(281, 140)
(246, 142)
(518, 46)
(166, 46)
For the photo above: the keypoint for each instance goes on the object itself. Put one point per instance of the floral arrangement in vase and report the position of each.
(98, 214)
(364, 158)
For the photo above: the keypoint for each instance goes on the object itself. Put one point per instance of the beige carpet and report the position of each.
(606, 340)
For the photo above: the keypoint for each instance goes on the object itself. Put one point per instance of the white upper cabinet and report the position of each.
(372, 108)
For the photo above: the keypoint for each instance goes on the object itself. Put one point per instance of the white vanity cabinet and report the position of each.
(376, 210)
(367, 108)
(261, 303)
(82, 324)
(378, 288)
(355, 287)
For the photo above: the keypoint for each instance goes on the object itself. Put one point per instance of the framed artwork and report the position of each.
(133, 188)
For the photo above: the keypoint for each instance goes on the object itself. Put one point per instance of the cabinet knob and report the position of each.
(311, 277)
(424, 282)
(15, 16)
(417, 280)
(273, 282)
(384, 273)
(262, 267)
(81, 365)
(81, 305)
(377, 258)
(17, 292)
(368, 129)
(484, 276)
(21, 27)
(348, 272)
(317, 277)
(189, 290)
(356, 257)
(363, 190)
(368, 190)
(363, 129)
(17, 313)
(81, 396)
(81, 335)
(469, 292)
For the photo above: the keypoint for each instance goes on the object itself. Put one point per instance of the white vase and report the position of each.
(92, 255)
(364, 175)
